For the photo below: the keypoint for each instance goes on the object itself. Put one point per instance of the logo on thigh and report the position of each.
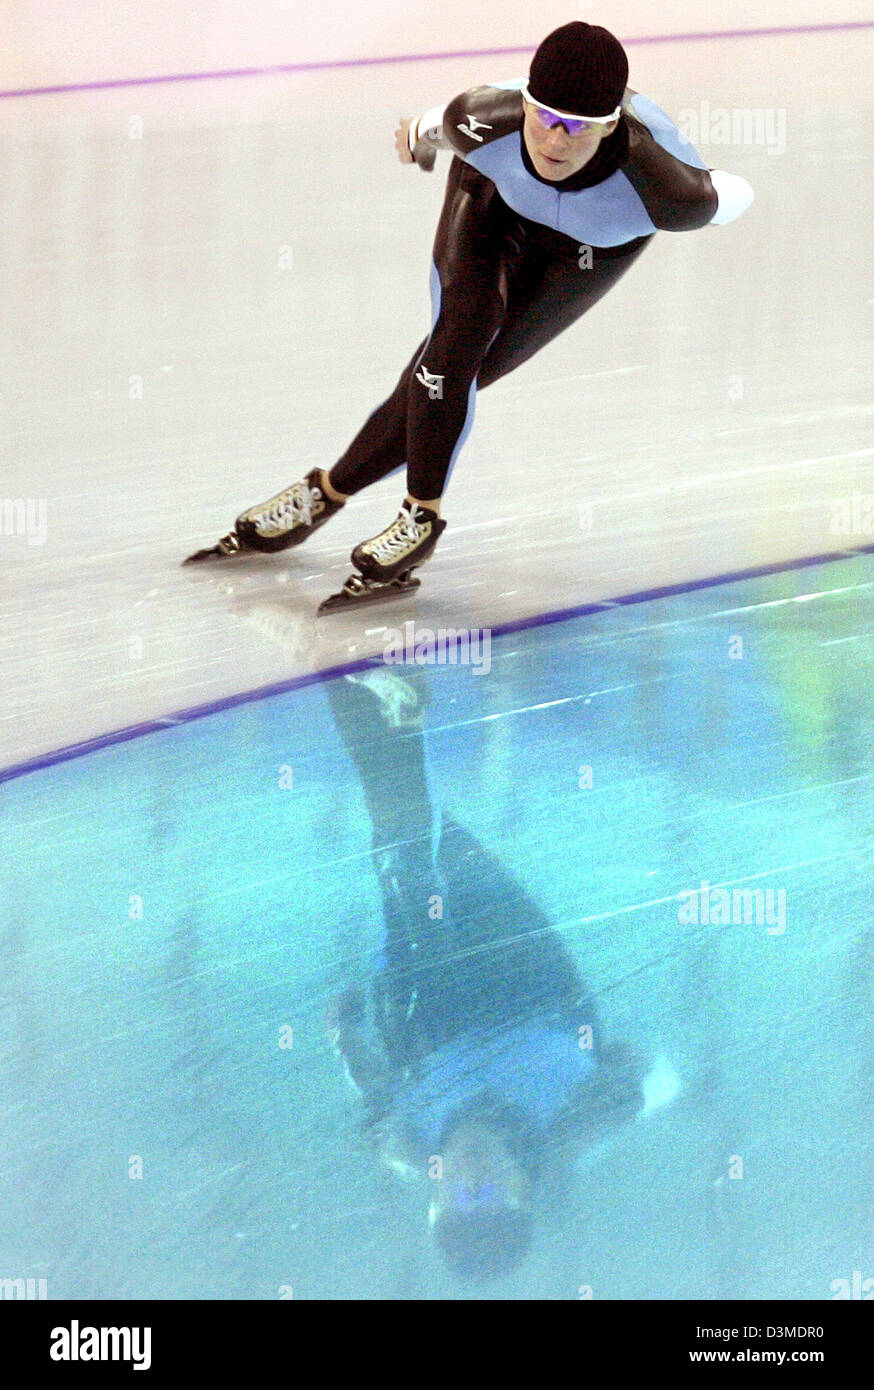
(433, 383)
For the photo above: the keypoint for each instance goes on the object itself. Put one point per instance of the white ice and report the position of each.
(206, 287)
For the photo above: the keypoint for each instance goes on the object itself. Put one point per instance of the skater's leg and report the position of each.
(469, 309)
(442, 395)
(499, 324)
(490, 958)
(429, 414)
(435, 404)
(546, 295)
(469, 297)
(380, 716)
(523, 968)
(535, 296)
(380, 446)
(426, 420)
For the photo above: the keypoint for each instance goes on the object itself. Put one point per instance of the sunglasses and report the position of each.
(574, 125)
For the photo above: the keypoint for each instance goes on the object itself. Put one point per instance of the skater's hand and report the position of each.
(402, 140)
(342, 1010)
(331, 1024)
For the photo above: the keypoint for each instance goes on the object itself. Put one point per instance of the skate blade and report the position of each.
(358, 591)
(228, 545)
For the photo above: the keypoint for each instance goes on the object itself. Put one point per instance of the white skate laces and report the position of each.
(285, 511)
(397, 540)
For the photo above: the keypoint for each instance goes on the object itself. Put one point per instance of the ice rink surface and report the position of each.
(206, 287)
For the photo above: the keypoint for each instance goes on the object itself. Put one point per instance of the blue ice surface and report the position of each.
(169, 906)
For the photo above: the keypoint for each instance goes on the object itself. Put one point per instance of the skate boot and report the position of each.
(405, 544)
(384, 565)
(402, 698)
(288, 518)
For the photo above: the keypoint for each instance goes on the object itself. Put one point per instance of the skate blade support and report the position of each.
(228, 545)
(359, 591)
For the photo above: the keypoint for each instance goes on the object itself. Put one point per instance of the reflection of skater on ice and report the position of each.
(572, 161)
(476, 1046)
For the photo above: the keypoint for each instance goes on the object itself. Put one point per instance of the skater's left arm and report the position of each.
(679, 193)
(613, 1094)
(734, 196)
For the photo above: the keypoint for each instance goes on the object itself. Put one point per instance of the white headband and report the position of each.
(568, 115)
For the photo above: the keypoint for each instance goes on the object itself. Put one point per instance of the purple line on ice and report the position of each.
(266, 692)
(422, 58)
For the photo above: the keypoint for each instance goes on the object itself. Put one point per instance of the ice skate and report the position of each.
(285, 520)
(404, 545)
(402, 697)
(385, 563)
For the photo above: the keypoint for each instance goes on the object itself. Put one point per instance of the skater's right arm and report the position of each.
(418, 138)
(393, 1149)
(427, 129)
(365, 1065)
(471, 119)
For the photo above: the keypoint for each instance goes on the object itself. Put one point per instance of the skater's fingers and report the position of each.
(332, 1026)
(402, 140)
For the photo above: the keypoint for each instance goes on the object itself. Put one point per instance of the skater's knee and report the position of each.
(461, 339)
(473, 303)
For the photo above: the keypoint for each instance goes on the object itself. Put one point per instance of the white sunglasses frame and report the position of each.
(567, 115)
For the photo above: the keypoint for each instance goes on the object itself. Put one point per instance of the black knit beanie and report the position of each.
(581, 69)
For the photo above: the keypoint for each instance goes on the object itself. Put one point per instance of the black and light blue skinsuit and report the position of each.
(518, 258)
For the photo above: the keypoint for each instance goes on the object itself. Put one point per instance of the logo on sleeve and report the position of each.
(473, 125)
